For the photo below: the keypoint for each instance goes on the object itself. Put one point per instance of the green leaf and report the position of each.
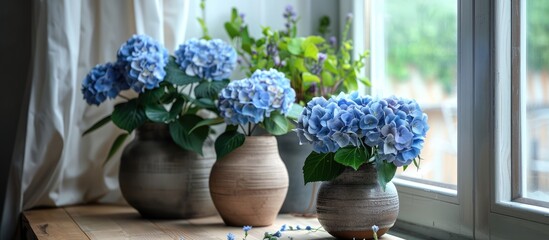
(314, 40)
(157, 113)
(311, 51)
(208, 122)
(152, 96)
(116, 145)
(294, 46)
(176, 108)
(327, 79)
(310, 78)
(210, 89)
(350, 82)
(234, 14)
(295, 111)
(231, 30)
(97, 125)
(128, 115)
(351, 156)
(321, 167)
(177, 76)
(385, 172)
(331, 65)
(365, 81)
(227, 142)
(276, 124)
(180, 131)
(261, 63)
(205, 103)
(247, 42)
(300, 65)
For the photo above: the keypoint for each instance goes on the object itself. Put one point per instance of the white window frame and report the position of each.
(424, 206)
(481, 208)
(505, 213)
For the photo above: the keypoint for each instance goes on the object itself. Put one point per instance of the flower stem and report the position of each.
(253, 129)
(124, 97)
(243, 130)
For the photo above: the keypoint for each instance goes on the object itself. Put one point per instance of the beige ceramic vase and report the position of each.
(248, 185)
(351, 204)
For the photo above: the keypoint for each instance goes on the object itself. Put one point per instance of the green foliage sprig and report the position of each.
(316, 67)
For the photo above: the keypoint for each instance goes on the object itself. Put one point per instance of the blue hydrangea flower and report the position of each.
(277, 234)
(230, 236)
(252, 99)
(396, 127)
(283, 228)
(144, 60)
(308, 228)
(207, 59)
(375, 228)
(102, 82)
(402, 131)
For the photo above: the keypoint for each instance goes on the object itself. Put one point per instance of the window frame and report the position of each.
(507, 204)
(425, 205)
(478, 209)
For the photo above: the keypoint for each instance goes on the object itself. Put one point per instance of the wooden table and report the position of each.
(123, 222)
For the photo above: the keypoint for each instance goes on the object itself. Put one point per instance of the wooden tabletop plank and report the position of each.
(123, 222)
(112, 222)
(53, 223)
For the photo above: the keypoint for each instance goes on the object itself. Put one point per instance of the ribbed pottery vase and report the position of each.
(161, 180)
(351, 204)
(248, 185)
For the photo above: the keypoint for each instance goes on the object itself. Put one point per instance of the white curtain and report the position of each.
(56, 165)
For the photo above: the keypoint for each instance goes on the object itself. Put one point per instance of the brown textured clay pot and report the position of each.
(351, 204)
(248, 185)
(161, 180)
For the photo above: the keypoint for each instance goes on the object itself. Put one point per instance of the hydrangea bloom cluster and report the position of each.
(252, 99)
(396, 127)
(207, 59)
(144, 60)
(102, 82)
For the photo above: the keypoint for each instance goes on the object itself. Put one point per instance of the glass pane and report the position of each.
(535, 140)
(421, 63)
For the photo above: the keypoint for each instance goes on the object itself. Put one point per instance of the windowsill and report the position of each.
(120, 221)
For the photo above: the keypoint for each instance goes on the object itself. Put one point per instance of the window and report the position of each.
(414, 56)
(420, 58)
(534, 103)
(499, 87)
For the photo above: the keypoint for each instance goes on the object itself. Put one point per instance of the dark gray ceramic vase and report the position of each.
(161, 180)
(351, 204)
(301, 198)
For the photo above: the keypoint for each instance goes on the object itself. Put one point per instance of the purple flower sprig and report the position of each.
(291, 19)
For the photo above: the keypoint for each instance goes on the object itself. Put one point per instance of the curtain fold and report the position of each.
(56, 165)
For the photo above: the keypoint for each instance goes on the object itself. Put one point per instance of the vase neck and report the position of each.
(366, 174)
(153, 131)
